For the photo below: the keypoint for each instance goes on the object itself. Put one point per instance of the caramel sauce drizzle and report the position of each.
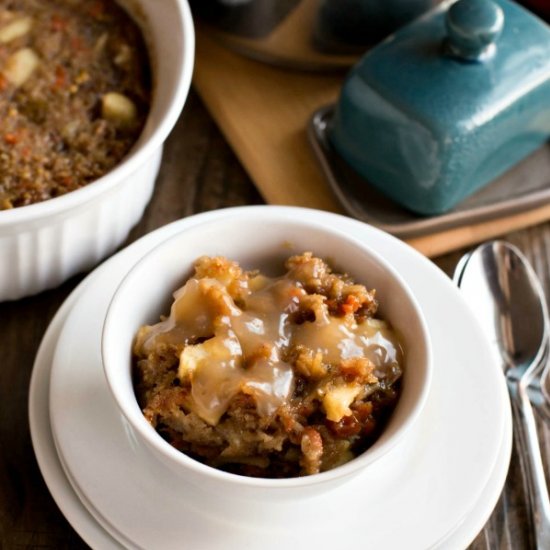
(242, 349)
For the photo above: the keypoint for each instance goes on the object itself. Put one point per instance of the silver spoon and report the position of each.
(545, 384)
(538, 388)
(508, 300)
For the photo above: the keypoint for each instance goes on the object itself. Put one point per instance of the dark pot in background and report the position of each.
(306, 34)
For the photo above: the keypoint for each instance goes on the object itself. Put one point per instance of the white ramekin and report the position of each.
(259, 238)
(43, 244)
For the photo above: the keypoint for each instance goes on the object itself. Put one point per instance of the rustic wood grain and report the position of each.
(200, 172)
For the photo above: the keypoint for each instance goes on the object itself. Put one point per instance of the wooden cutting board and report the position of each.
(263, 112)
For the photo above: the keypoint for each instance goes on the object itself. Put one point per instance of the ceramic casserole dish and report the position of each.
(43, 244)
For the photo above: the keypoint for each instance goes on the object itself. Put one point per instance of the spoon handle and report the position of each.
(538, 388)
(530, 452)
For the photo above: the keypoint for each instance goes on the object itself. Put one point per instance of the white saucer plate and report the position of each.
(436, 489)
(42, 439)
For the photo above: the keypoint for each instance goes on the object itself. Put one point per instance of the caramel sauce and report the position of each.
(218, 378)
(244, 347)
(197, 307)
(342, 338)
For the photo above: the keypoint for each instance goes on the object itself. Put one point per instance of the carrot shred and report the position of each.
(351, 305)
(60, 77)
(58, 23)
(11, 138)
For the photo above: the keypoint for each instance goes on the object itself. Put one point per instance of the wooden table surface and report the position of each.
(199, 173)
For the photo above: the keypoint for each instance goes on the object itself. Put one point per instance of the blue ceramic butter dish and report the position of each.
(447, 104)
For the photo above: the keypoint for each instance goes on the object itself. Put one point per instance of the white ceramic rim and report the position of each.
(136, 157)
(155, 441)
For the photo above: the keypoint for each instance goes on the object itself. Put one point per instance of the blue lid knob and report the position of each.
(473, 27)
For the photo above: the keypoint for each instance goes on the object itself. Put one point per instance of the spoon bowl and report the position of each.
(509, 304)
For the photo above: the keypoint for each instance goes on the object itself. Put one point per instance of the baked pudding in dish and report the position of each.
(75, 91)
(271, 377)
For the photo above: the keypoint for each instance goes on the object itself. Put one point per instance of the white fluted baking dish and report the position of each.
(43, 244)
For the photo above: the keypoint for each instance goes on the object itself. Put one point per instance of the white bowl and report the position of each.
(43, 244)
(259, 238)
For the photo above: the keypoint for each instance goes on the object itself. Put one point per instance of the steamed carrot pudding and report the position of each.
(269, 377)
(75, 90)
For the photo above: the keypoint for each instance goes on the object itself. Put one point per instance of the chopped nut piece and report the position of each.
(82, 77)
(312, 450)
(118, 108)
(101, 43)
(20, 66)
(123, 55)
(15, 29)
(310, 364)
(338, 399)
(361, 368)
